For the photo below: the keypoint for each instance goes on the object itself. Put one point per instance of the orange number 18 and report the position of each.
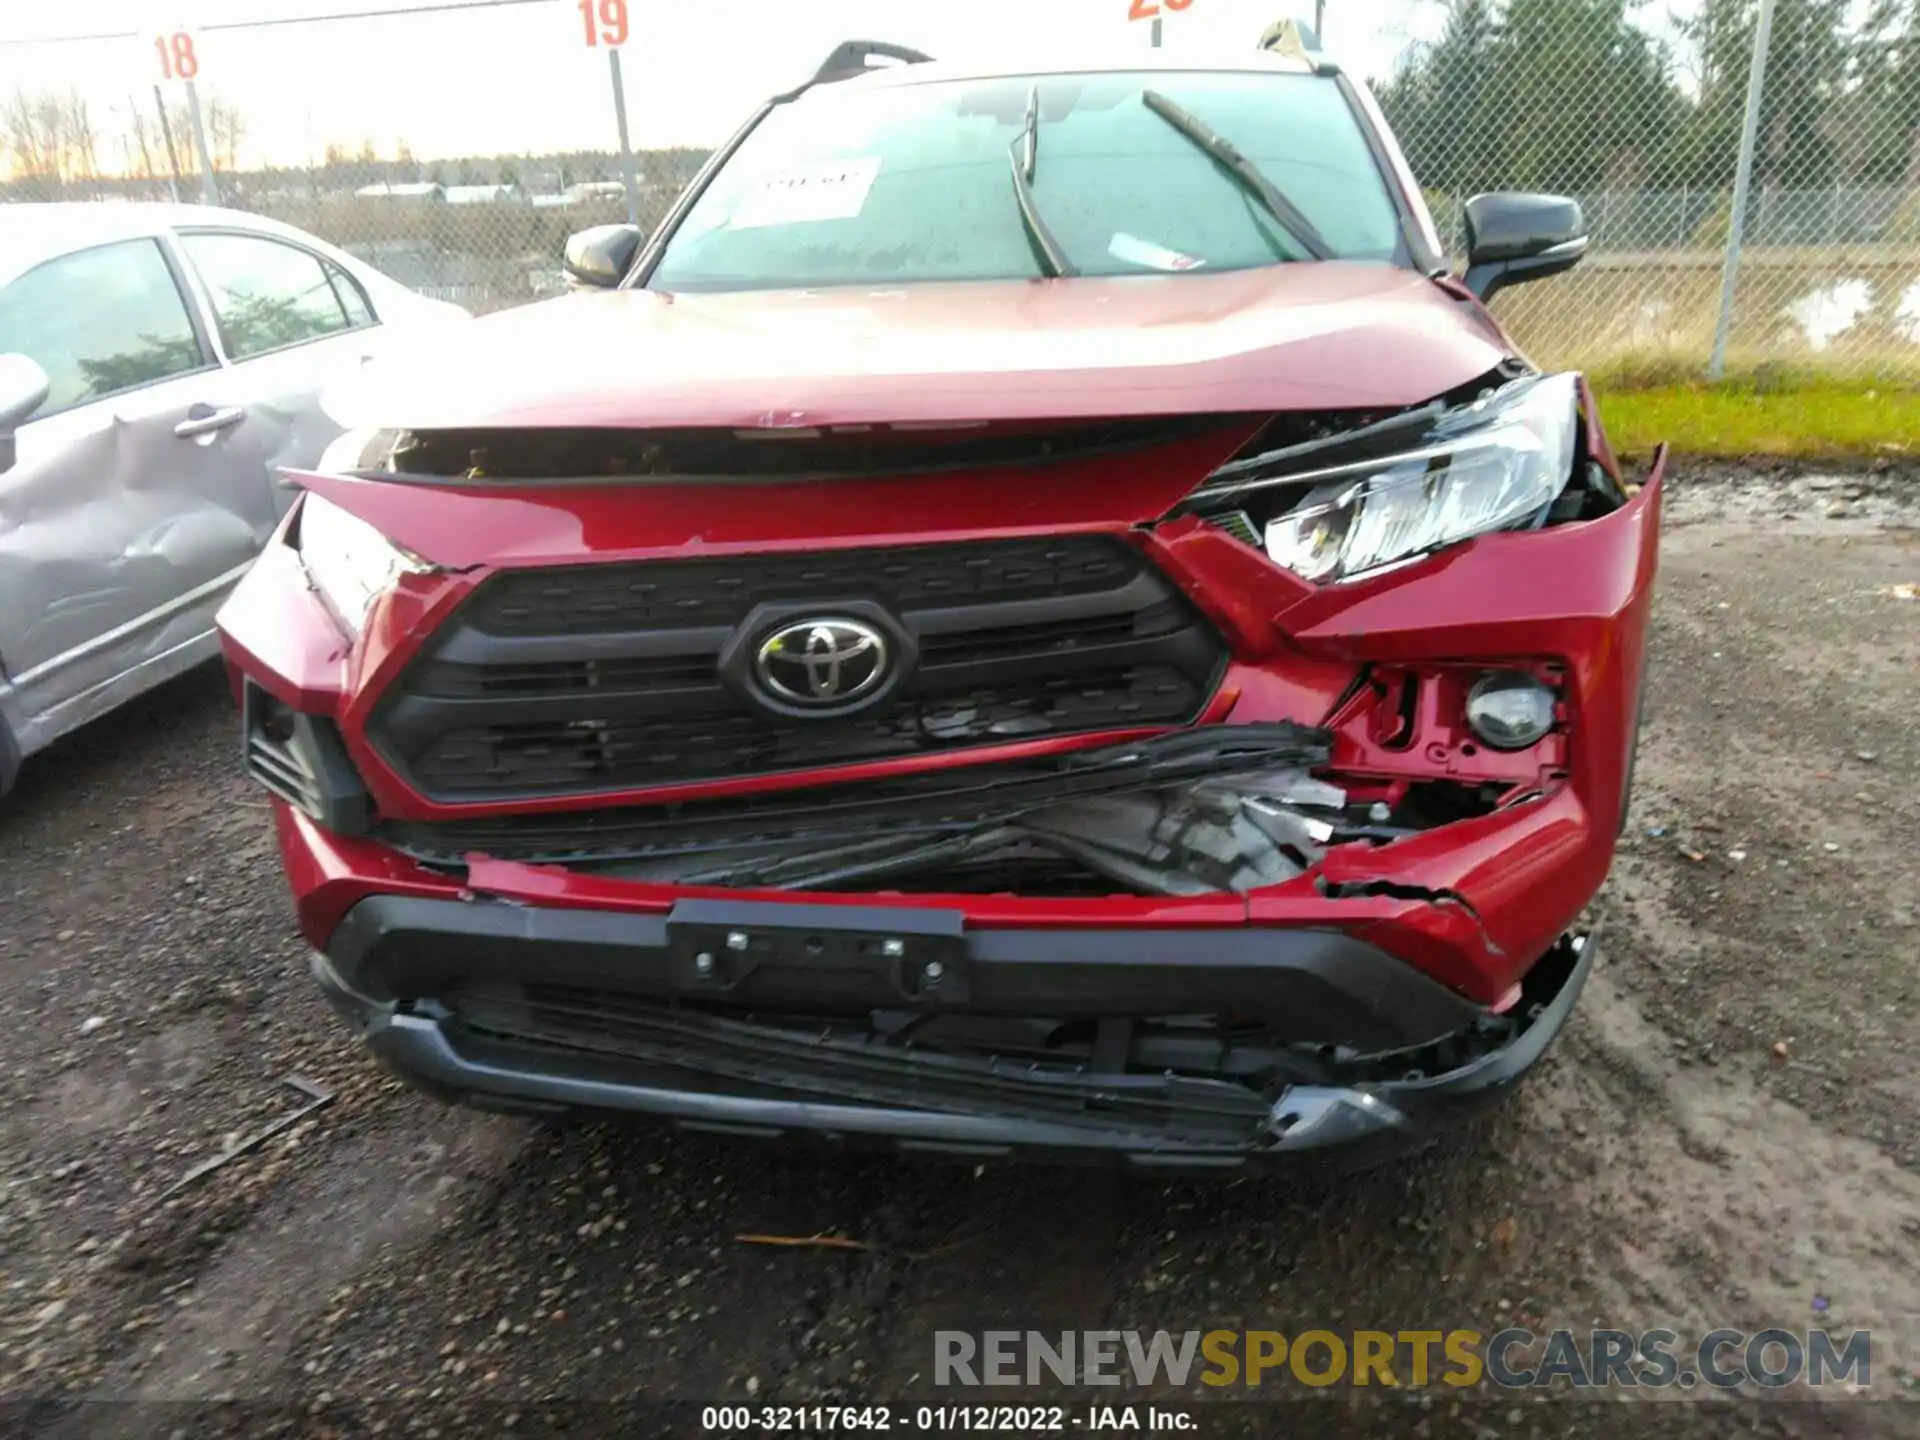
(177, 60)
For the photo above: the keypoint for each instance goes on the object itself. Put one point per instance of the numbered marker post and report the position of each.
(1151, 10)
(178, 53)
(604, 23)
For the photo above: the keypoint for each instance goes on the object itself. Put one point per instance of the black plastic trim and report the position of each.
(310, 770)
(1322, 986)
(1357, 1124)
(835, 812)
(849, 59)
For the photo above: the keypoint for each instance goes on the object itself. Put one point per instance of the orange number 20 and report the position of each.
(177, 60)
(605, 21)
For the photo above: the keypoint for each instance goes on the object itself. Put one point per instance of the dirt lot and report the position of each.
(1728, 1135)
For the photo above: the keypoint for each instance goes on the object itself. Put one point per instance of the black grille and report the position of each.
(588, 600)
(608, 677)
(686, 1048)
(279, 765)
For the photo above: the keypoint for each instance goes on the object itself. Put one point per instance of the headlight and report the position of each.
(1487, 467)
(359, 450)
(349, 562)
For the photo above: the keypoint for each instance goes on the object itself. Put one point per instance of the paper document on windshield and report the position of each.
(826, 190)
(1135, 251)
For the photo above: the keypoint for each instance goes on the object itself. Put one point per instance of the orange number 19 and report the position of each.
(605, 21)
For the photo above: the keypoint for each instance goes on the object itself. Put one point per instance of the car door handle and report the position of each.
(204, 420)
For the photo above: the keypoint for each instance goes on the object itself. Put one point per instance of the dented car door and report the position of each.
(139, 495)
(288, 322)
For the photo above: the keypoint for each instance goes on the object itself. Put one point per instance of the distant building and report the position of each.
(482, 195)
(421, 190)
(595, 190)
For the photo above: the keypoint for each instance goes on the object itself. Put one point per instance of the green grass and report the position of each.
(1814, 419)
(1642, 333)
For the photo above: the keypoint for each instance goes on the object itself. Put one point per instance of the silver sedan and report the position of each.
(157, 363)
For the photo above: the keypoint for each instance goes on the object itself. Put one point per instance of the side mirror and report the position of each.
(23, 385)
(601, 257)
(1513, 238)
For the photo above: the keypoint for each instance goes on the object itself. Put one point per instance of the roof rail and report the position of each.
(850, 58)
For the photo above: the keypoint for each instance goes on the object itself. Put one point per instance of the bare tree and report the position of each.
(49, 138)
(78, 136)
(142, 144)
(222, 126)
(30, 125)
(225, 131)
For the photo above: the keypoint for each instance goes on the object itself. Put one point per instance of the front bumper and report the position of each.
(628, 1044)
(1382, 949)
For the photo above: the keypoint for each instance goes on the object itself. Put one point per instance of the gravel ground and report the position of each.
(1729, 1133)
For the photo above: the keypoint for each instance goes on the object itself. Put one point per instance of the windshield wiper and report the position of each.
(1304, 232)
(1025, 152)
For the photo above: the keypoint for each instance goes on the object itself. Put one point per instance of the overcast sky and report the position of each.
(520, 78)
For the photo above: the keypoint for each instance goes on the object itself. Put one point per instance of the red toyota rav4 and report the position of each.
(1032, 616)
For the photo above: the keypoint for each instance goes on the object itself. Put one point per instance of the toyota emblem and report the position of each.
(822, 664)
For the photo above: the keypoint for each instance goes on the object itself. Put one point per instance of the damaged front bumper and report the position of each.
(1211, 1023)
(1194, 946)
(622, 1020)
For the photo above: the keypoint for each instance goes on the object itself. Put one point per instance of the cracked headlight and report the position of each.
(348, 562)
(362, 449)
(1487, 467)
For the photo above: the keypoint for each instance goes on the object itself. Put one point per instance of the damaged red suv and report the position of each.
(1031, 617)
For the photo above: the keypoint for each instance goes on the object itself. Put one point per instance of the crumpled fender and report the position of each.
(1476, 902)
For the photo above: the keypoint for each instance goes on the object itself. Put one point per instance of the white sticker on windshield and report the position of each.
(1135, 251)
(828, 190)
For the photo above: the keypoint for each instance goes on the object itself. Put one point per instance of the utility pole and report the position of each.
(629, 177)
(1319, 21)
(1742, 183)
(209, 194)
(173, 156)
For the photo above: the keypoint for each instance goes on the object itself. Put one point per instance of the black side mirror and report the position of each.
(23, 386)
(601, 257)
(1513, 238)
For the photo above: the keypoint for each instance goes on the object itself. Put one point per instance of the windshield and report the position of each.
(915, 182)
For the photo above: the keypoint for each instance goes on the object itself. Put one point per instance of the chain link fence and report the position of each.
(1641, 110)
(1649, 114)
(298, 120)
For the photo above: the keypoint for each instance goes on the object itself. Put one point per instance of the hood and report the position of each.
(1333, 335)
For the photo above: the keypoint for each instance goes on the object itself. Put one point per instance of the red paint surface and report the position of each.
(463, 526)
(1339, 335)
(1575, 598)
(1571, 602)
(283, 636)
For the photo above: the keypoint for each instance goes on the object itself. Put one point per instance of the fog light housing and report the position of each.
(1510, 710)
